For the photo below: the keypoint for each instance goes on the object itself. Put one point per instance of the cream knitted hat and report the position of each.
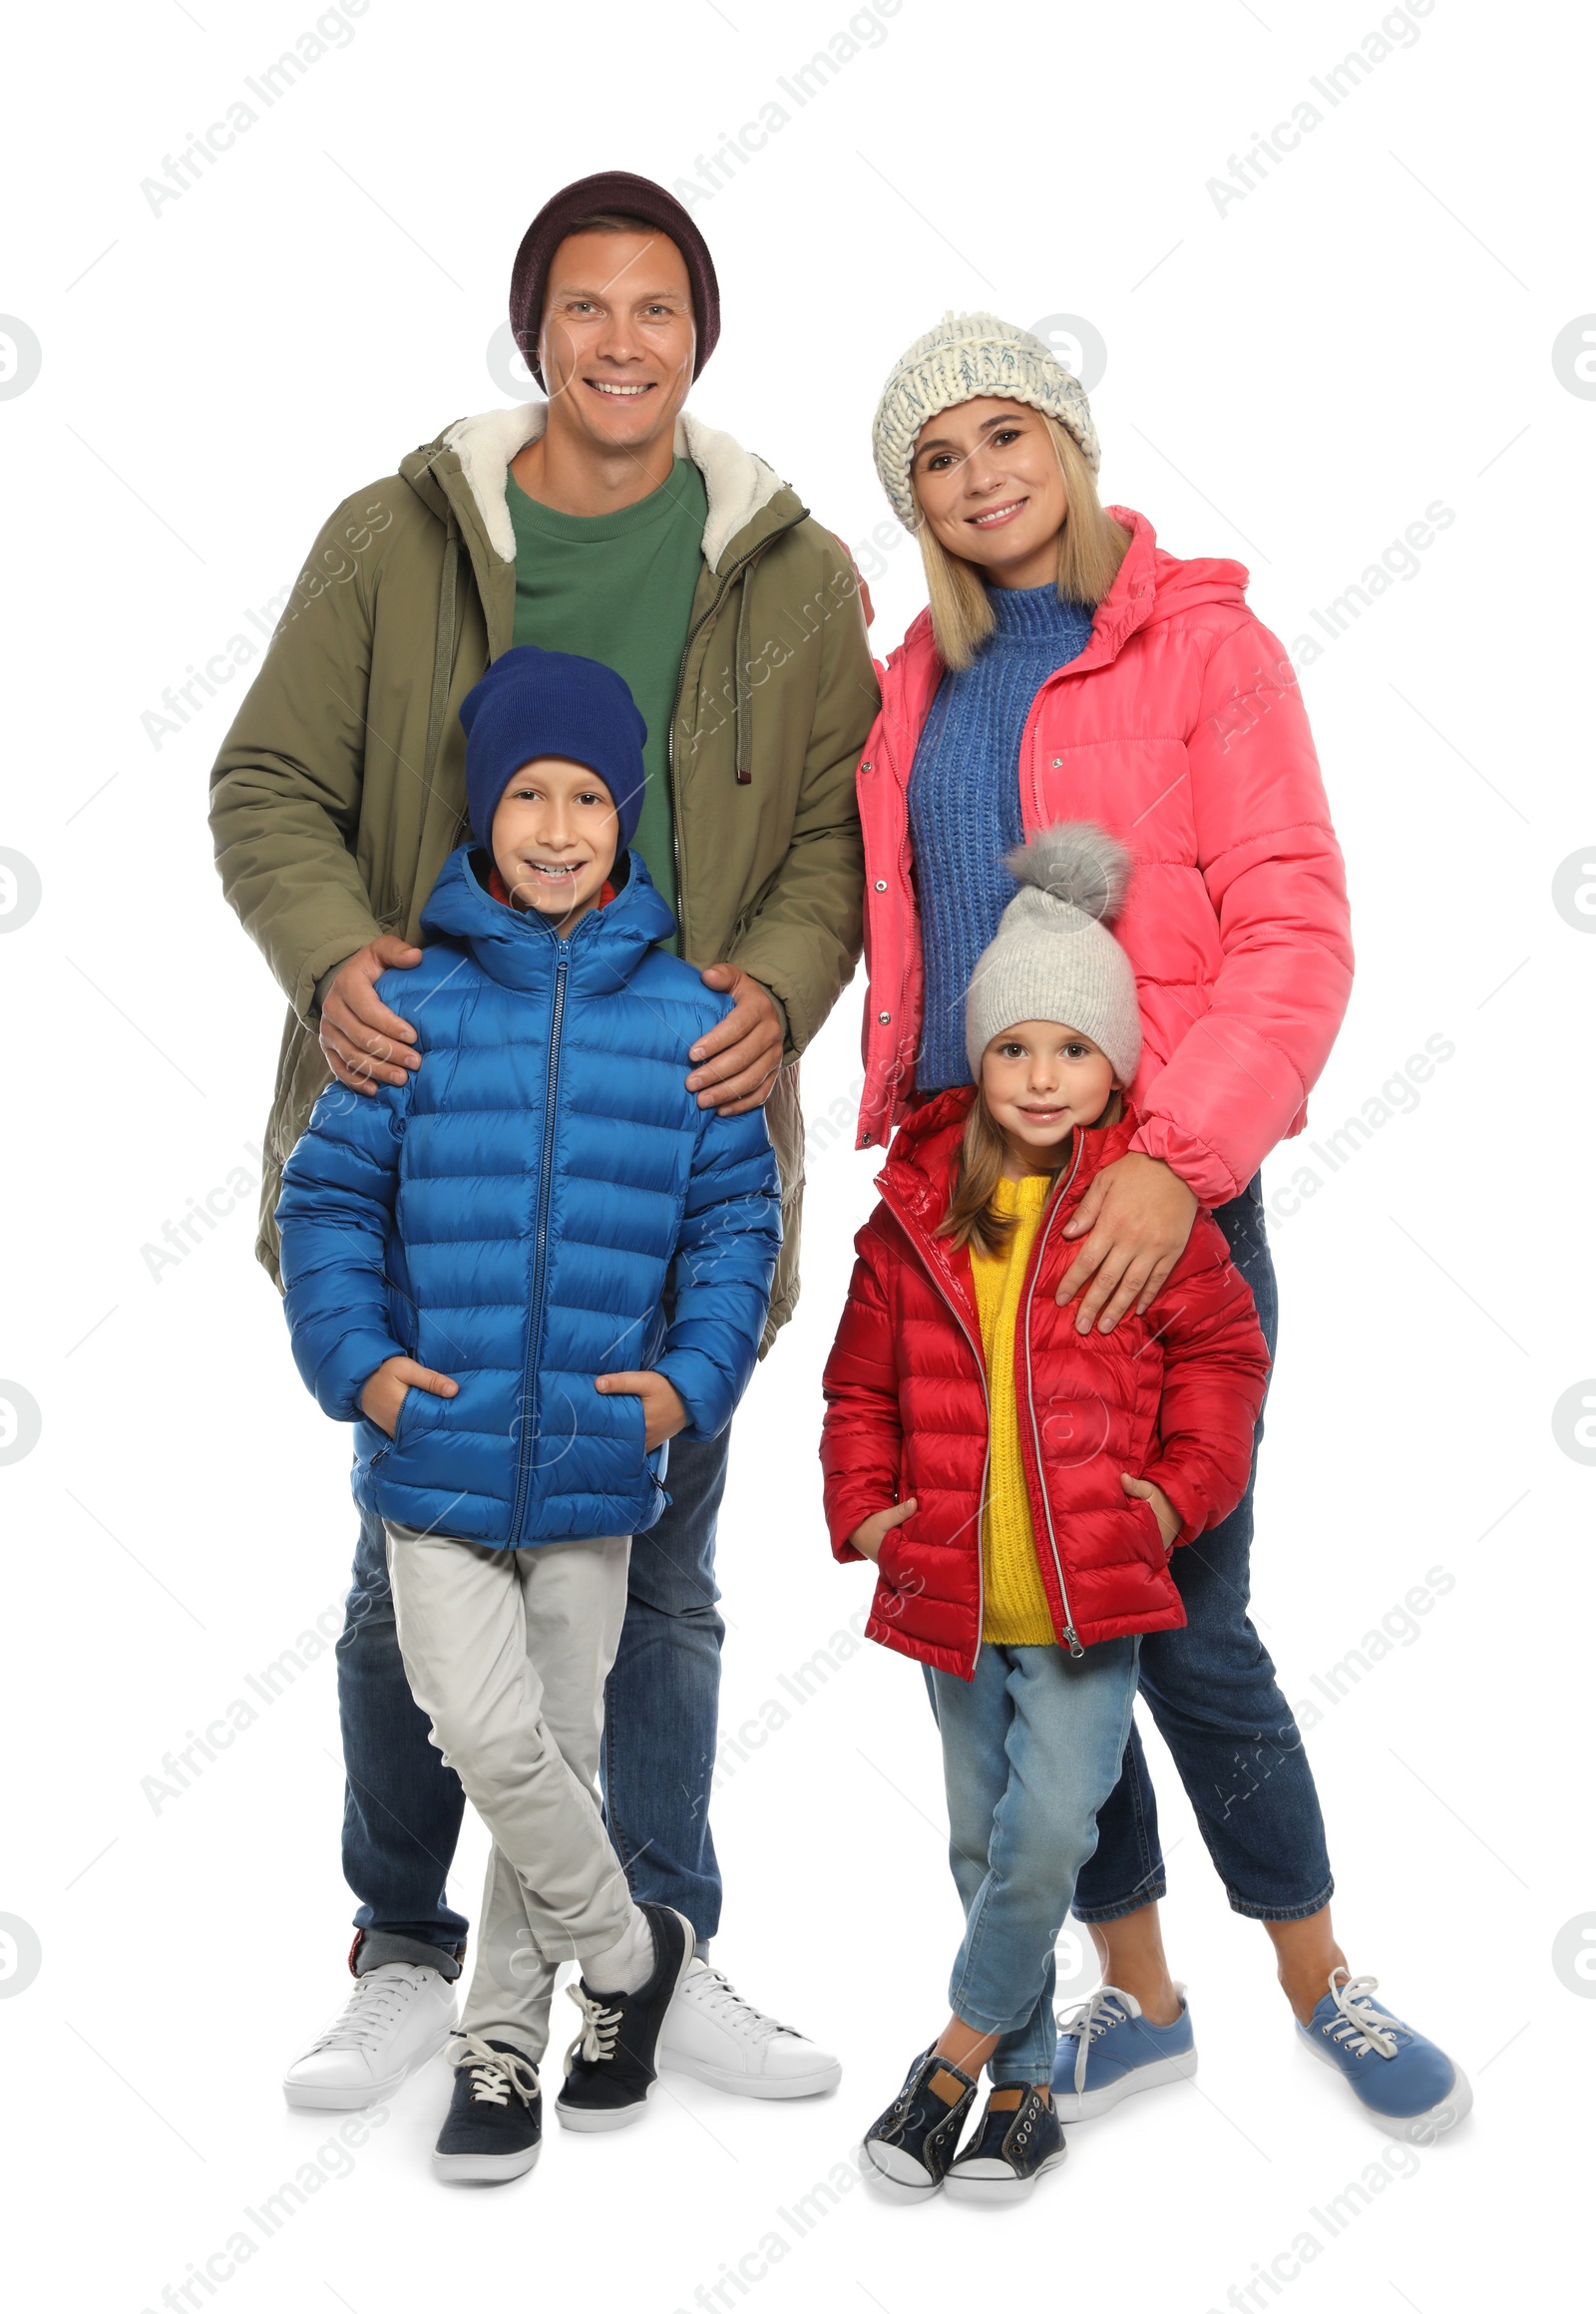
(1053, 958)
(965, 357)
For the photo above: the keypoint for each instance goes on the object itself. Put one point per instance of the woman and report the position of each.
(1068, 670)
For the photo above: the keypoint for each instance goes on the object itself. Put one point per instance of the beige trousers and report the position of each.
(507, 1653)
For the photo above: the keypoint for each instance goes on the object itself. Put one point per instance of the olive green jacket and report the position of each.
(341, 789)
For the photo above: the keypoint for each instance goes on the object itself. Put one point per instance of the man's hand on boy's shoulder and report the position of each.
(736, 1064)
(663, 1413)
(364, 1043)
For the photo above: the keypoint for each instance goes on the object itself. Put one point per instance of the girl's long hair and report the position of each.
(1091, 547)
(973, 1217)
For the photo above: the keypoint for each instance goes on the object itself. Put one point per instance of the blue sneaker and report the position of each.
(1407, 2085)
(1109, 2051)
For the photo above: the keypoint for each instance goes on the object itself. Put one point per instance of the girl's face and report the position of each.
(990, 485)
(1040, 1081)
(554, 837)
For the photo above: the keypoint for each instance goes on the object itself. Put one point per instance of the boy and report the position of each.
(520, 1274)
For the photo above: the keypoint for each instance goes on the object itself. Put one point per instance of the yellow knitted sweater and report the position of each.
(1016, 1610)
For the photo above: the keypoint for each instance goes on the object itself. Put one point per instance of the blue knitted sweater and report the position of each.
(963, 805)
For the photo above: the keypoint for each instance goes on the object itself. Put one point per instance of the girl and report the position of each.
(1067, 667)
(1019, 1485)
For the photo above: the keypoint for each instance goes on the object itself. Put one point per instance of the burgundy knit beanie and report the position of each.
(612, 192)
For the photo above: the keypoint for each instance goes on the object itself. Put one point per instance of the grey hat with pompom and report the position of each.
(1053, 958)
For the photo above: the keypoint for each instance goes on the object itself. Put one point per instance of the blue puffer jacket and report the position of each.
(519, 1213)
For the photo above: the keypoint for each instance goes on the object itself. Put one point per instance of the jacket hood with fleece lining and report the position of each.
(738, 484)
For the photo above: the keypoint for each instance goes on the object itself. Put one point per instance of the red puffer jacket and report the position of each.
(1172, 1397)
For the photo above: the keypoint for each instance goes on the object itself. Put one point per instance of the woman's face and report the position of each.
(989, 483)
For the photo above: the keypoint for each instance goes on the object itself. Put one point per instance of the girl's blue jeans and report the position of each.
(1031, 1750)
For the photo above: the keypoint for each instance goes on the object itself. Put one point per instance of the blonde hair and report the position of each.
(974, 1217)
(1091, 547)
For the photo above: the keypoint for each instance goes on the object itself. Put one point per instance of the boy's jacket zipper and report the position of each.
(529, 1401)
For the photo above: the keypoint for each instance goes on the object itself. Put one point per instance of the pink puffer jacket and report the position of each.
(1180, 729)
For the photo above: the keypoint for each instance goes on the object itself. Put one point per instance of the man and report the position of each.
(607, 523)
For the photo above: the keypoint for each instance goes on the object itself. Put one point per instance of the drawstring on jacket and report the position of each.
(443, 657)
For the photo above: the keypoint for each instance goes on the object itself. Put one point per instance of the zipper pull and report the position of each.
(1072, 1640)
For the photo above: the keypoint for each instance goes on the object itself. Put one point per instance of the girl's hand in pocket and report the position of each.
(1163, 1509)
(868, 1538)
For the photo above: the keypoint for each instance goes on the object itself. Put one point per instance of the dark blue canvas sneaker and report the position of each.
(495, 2125)
(1107, 2050)
(1019, 2141)
(910, 2148)
(1407, 2085)
(609, 2066)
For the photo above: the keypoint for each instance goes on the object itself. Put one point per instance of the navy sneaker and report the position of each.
(1019, 2141)
(1405, 2084)
(495, 2125)
(910, 2149)
(609, 2066)
(1107, 2050)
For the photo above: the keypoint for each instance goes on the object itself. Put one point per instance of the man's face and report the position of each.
(618, 339)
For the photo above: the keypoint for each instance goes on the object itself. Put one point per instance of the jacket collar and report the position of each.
(517, 949)
(471, 459)
(1149, 585)
(917, 1179)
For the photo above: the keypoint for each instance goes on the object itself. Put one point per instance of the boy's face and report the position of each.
(554, 837)
(1040, 1081)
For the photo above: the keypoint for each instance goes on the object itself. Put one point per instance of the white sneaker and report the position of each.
(711, 2032)
(397, 2016)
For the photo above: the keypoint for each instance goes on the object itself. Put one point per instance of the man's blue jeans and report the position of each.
(403, 1806)
(1030, 1748)
(1214, 1698)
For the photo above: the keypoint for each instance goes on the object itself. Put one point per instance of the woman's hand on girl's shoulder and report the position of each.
(868, 1537)
(1135, 1219)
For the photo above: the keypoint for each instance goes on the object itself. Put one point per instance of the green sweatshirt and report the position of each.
(619, 587)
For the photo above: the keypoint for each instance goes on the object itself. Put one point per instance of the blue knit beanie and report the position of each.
(535, 702)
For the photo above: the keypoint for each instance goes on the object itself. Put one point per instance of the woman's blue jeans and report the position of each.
(1031, 1748)
(1214, 1698)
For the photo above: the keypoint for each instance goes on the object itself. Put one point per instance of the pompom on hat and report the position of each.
(1053, 957)
(967, 356)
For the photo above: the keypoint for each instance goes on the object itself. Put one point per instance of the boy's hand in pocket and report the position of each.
(868, 1538)
(1164, 1511)
(384, 1392)
(663, 1413)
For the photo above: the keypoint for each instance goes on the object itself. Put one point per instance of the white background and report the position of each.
(1291, 380)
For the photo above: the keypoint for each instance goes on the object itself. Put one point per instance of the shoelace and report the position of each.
(599, 2026)
(706, 1986)
(1087, 2020)
(1359, 2025)
(370, 2009)
(496, 2074)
